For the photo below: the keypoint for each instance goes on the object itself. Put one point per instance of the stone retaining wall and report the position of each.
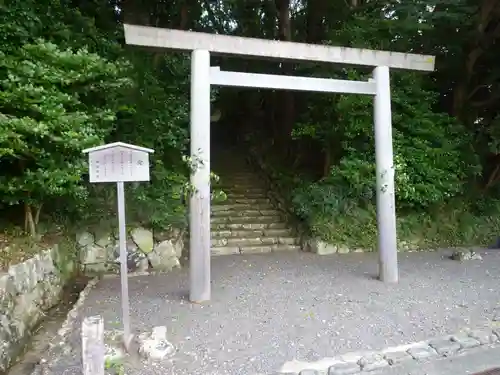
(30, 289)
(146, 250)
(27, 291)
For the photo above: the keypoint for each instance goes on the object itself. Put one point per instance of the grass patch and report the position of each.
(450, 227)
(16, 246)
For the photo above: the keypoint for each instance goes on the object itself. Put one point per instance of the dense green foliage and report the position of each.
(68, 82)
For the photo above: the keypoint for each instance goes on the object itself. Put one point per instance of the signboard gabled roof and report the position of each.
(117, 144)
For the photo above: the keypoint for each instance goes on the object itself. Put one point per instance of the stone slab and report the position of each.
(372, 362)
(470, 362)
(397, 357)
(344, 369)
(309, 372)
(465, 341)
(445, 347)
(420, 353)
(484, 336)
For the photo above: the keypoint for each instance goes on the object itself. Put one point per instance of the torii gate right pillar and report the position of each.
(386, 205)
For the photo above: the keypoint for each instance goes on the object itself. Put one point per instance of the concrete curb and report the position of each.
(60, 341)
(133, 274)
(422, 351)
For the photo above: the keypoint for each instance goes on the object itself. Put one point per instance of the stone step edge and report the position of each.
(241, 206)
(215, 227)
(265, 240)
(272, 212)
(264, 219)
(252, 236)
(239, 196)
(239, 189)
(245, 201)
(363, 361)
(252, 249)
(250, 232)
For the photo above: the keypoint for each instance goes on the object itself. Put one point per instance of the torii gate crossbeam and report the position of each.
(203, 76)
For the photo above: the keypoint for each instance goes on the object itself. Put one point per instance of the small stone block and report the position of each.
(155, 346)
(344, 369)
(476, 256)
(113, 353)
(483, 336)
(159, 333)
(465, 342)
(397, 357)
(372, 362)
(421, 352)
(309, 372)
(496, 332)
(445, 347)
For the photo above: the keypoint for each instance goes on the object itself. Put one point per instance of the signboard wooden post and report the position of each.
(120, 162)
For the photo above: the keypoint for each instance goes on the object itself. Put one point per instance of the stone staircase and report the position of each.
(247, 223)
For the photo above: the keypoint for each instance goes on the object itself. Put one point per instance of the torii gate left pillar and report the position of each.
(199, 218)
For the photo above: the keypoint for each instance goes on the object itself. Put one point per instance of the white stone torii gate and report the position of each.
(203, 75)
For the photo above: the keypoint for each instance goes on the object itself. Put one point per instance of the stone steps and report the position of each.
(246, 213)
(252, 225)
(247, 222)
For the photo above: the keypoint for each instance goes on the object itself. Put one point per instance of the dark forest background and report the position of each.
(68, 81)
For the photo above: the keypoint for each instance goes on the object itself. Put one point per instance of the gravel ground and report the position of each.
(271, 308)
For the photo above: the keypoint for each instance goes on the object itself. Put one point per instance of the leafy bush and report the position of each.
(46, 121)
(428, 148)
(154, 114)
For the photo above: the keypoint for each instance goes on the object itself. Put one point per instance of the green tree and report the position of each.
(45, 121)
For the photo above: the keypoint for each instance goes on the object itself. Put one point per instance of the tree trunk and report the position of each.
(29, 221)
(135, 12)
(327, 162)
(316, 10)
(486, 36)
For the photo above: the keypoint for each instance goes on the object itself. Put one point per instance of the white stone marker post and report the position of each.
(120, 162)
(93, 348)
